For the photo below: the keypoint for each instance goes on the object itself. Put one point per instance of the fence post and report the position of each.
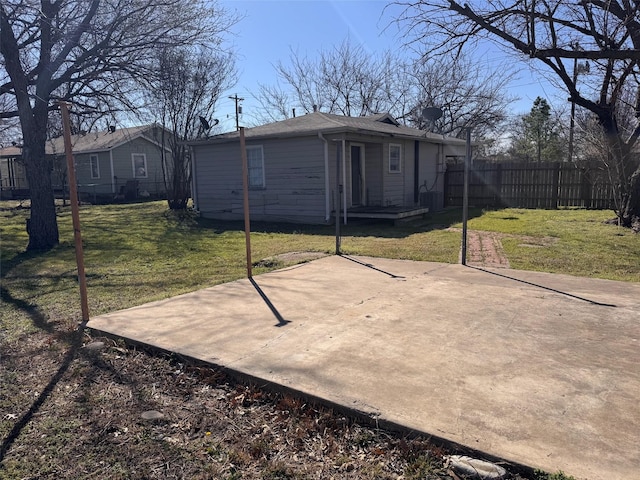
(585, 189)
(556, 183)
(497, 197)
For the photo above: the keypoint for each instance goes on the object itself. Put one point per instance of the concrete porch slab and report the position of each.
(535, 368)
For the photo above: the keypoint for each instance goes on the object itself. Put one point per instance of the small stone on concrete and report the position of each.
(152, 415)
(474, 468)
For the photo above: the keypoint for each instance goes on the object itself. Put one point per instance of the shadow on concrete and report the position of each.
(281, 321)
(368, 265)
(592, 302)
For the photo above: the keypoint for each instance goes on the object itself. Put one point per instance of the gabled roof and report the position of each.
(102, 141)
(313, 123)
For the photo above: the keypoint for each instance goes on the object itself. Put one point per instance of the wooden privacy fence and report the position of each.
(525, 185)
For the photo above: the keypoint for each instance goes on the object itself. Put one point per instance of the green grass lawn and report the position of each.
(571, 241)
(141, 252)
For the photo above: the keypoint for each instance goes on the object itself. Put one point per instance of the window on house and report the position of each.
(95, 166)
(139, 161)
(394, 158)
(255, 163)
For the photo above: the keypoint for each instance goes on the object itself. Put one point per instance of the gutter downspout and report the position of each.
(327, 202)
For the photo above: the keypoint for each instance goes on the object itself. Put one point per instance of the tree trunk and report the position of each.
(624, 173)
(43, 226)
(629, 214)
(180, 181)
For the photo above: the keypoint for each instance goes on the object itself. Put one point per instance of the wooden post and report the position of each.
(75, 213)
(339, 199)
(245, 188)
(465, 198)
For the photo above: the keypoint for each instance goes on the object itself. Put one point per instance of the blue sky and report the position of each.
(270, 29)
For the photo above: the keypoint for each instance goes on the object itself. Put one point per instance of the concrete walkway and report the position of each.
(535, 368)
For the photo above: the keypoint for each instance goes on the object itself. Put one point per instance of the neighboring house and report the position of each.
(13, 179)
(117, 163)
(295, 170)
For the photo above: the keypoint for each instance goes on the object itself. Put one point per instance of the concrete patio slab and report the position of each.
(534, 368)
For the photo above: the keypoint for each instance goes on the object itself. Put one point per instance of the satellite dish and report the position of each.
(432, 113)
(204, 124)
(215, 122)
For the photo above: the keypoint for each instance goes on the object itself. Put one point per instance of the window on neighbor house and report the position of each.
(139, 161)
(95, 166)
(255, 164)
(394, 158)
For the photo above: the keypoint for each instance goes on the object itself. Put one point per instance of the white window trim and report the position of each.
(97, 160)
(133, 165)
(399, 170)
(263, 185)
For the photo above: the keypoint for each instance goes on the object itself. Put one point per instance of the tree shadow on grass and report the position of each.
(75, 344)
(38, 318)
(354, 228)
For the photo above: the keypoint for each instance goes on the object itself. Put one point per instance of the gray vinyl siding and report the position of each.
(432, 167)
(429, 174)
(393, 182)
(294, 181)
(123, 166)
(110, 182)
(86, 184)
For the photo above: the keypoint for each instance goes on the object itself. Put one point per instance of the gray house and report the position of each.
(115, 163)
(304, 168)
(118, 162)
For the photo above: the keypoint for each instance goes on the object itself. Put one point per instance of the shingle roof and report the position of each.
(90, 142)
(327, 123)
(100, 141)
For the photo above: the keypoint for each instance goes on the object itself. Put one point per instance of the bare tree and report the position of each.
(469, 95)
(557, 33)
(345, 80)
(183, 98)
(93, 53)
(275, 102)
(348, 80)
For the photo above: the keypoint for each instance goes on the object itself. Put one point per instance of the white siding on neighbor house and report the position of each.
(393, 182)
(294, 180)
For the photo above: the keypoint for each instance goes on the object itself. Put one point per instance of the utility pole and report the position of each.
(238, 109)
